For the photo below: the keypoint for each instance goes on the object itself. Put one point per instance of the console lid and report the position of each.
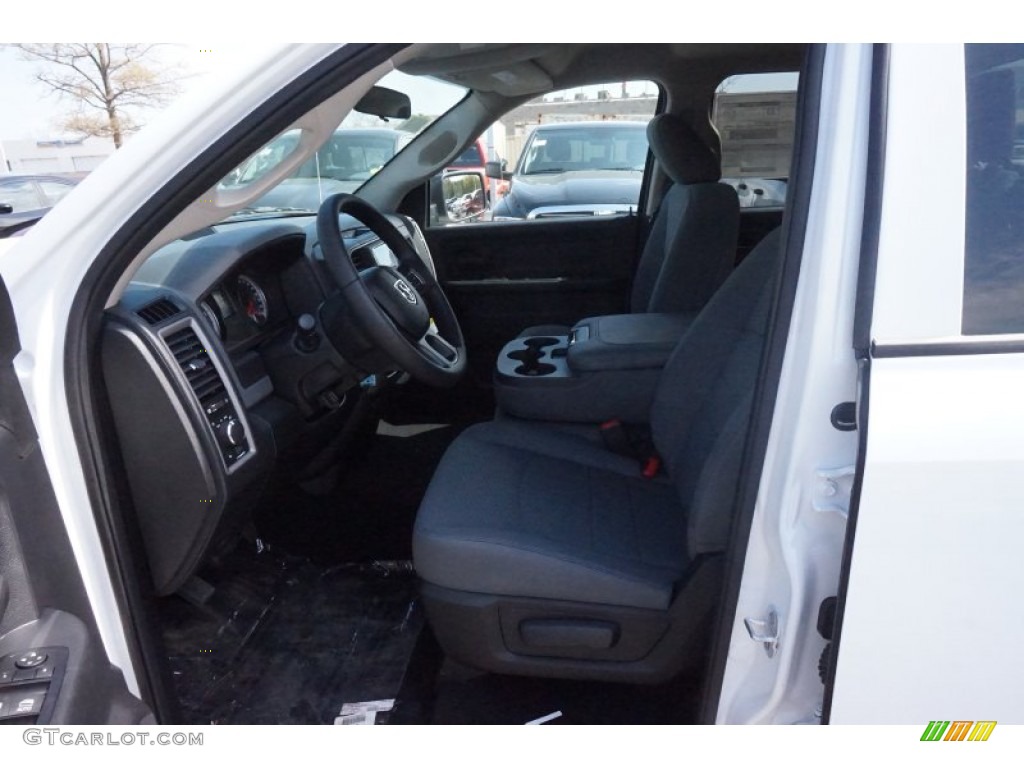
(623, 342)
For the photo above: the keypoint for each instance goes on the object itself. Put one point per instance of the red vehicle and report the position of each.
(474, 158)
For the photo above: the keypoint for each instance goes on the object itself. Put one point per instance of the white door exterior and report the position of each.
(932, 622)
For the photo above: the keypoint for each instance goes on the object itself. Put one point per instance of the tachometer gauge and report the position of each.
(254, 301)
(210, 313)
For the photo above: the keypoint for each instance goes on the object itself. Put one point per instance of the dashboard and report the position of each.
(219, 375)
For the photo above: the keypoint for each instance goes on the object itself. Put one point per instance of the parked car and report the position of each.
(577, 169)
(25, 198)
(245, 476)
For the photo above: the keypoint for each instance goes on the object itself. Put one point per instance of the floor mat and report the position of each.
(283, 640)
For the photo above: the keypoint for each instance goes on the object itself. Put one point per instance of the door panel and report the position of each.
(43, 604)
(502, 277)
(932, 612)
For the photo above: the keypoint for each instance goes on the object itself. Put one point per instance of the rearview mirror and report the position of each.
(384, 102)
(6, 208)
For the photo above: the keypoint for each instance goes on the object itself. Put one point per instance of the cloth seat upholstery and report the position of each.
(691, 247)
(545, 511)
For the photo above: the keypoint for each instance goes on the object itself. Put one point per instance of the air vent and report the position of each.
(158, 311)
(228, 429)
(199, 369)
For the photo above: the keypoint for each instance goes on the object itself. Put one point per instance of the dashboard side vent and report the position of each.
(158, 311)
(195, 362)
(205, 380)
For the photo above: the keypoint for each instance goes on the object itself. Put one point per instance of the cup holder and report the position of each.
(539, 342)
(535, 369)
(534, 356)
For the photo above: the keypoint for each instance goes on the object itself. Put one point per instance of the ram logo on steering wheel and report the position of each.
(407, 292)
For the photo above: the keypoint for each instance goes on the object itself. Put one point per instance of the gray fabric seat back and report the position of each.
(692, 244)
(702, 404)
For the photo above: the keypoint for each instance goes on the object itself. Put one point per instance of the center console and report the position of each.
(606, 368)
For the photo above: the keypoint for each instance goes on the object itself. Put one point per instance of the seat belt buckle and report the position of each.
(615, 437)
(651, 467)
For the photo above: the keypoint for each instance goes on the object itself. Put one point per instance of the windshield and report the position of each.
(360, 147)
(592, 147)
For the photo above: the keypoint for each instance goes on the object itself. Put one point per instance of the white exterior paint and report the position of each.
(920, 264)
(792, 560)
(933, 624)
(933, 606)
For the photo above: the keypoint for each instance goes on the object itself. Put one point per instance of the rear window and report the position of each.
(994, 224)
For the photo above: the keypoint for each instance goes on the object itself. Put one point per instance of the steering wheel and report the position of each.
(403, 312)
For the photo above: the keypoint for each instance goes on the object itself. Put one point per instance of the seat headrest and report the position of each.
(681, 152)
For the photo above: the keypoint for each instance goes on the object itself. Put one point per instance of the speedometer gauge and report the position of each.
(253, 299)
(210, 313)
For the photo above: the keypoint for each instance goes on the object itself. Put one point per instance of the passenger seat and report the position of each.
(542, 552)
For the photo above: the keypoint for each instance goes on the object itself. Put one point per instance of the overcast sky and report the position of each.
(29, 111)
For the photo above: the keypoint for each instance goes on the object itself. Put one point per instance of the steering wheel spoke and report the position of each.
(437, 349)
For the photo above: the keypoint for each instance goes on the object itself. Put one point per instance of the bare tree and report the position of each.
(107, 80)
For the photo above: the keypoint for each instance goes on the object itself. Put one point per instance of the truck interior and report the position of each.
(364, 463)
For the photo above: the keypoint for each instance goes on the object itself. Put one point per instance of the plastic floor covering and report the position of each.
(285, 641)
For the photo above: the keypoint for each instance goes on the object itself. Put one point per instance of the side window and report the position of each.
(994, 224)
(756, 118)
(580, 152)
(20, 194)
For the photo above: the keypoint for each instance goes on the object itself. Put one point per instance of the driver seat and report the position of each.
(541, 552)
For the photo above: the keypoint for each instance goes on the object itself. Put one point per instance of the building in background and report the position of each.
(53, 155)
